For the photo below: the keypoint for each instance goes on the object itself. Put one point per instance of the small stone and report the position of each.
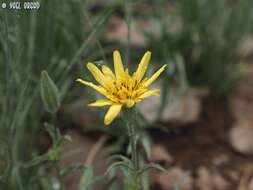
(219, 182)
(241, 138)
(183, 110)
(176, 177)
(203, 180)
(220, 159)
(206, 180)
(160, 154)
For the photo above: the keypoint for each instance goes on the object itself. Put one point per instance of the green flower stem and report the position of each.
(59, 176)
(133, 143)
(129, 117)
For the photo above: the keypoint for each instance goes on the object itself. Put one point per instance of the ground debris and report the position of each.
(207, 180)
(175, 177)
(240, 101)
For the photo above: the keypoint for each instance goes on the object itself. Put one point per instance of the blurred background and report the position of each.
(200, 128)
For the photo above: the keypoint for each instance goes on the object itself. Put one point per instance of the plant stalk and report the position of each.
(133, 181)
(133, 144)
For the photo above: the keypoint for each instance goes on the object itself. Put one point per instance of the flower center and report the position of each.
(125, 91)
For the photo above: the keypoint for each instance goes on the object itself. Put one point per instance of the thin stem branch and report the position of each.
(90, 24)
(58, 170)
(128, 22)
(95, 149)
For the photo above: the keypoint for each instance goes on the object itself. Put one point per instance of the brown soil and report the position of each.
(199, 144)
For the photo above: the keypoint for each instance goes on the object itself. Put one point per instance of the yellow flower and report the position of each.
(121, 88)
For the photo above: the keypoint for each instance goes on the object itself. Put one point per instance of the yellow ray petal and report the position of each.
(142, 67)
(154, 76)
(153, 92)
(101, 102)
(112, 113)
(97, 74)
(118, 66)
(128, 77)
(99, 89)
(107, 71)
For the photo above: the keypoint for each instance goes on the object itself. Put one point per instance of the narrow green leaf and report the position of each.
(51, 130)
(36, 161)
(118, 164)
(56, 136)
(86, 179)
(145, 140)
(119, 157)
(150, 166)
(70, 169)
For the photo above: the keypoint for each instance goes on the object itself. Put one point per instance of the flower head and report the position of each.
(121, 88)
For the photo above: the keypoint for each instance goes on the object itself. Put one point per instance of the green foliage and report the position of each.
(198, 40)
(124, 163)
(70, 169)
(88, 179)
(30, 41)
(207, 35)
(131, 174)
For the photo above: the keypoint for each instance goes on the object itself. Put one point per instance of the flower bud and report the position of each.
(49, 93)
(54, 155)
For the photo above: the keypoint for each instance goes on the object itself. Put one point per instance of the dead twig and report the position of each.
(95, 149)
